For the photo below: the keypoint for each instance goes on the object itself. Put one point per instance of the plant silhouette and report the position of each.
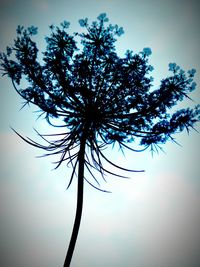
(101, 98)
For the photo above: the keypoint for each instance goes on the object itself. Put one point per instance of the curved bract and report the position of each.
(109, 99)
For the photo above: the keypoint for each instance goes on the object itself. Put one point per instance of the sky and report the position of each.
(150, 220)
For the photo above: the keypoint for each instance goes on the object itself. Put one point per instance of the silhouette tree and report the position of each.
(101, 99)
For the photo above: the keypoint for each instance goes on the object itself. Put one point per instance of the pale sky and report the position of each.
(150, 220)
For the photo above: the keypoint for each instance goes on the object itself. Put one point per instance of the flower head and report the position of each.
(103, 17)
(147, 51)
(100, 97)
(192, 72)
(83, 22)
(65, 24)
(173, 67)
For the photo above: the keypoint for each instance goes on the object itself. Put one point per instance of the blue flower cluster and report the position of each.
(99, 95)
(147, 51)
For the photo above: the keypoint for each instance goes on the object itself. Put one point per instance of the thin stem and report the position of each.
(79, 206)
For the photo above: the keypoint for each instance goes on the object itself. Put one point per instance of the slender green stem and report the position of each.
(79, 206)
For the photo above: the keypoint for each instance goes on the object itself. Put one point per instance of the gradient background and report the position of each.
(151, 220)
